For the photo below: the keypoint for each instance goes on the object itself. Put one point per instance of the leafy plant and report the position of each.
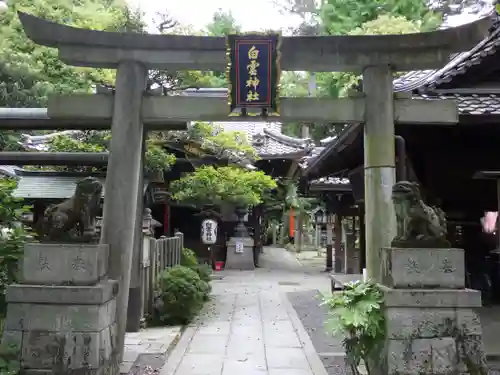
(9, 359)
(356, 312)
(157, 159)
(188, 258)
(215, 186)
(13, 235)
(204, 271)
(182, 293)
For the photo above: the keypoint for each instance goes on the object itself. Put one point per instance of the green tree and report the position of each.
(224, 185)
(29, 72)
(338, 84)
(157, 159)
(223, 23)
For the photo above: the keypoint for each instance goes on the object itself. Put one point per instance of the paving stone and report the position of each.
(236, 349)
(200, 364)
(250, 330)
(208, 344)
(259, 359)
(280, 333)
(289, 371)
(215, 328)
(287, 358)
(125, 367)
(243, 367)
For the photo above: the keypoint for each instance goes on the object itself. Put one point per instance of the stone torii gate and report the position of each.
(376, 57)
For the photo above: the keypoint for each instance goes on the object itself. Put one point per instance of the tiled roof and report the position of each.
(331, 181)
(40, 186)
(50, 185)
(459, 64)
(470, 104)
(267, 138)
(425, 84)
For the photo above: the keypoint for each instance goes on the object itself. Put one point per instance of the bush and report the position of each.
(204, 271)
(188, 258)
(182, 293)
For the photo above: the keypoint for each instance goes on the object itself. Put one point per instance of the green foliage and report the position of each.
(339, 17)
(9, 359)
(356, 312)
(204, 271)
(217, 140)
(339, 83)
(13, 235)
(215, 186)
(182, 293)
(188, 258)
(222, 24)
(29, 72)
(157, 159)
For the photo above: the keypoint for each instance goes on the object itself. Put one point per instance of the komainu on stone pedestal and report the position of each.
(74, 219)
(418, 225)
(62, 317)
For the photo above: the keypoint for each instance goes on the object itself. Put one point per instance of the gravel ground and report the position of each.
(313, 317)
(328, 347)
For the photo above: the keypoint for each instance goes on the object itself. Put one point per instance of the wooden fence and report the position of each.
(158, 256)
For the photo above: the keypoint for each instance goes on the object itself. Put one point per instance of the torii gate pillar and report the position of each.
(379, 163)
(125, 166)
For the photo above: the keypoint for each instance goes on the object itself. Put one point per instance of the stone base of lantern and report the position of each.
(240, 254)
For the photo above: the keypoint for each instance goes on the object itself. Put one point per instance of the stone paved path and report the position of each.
(148, 344)
(248, 329)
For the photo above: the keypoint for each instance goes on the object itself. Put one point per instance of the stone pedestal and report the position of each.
(240, 254)
(431, 324)
(62, 316)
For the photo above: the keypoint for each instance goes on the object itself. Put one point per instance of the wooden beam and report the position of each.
(162, 109)
(84, 47)
(65, 158)
(54, 158)
(38, 119)
(486, 175)
(421, 111)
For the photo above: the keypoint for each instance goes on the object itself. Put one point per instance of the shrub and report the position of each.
(204, 271)
(188, 258)
(182, 293)
(9, 359)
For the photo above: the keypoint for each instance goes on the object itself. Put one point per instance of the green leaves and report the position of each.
(13, 235)
(209, 185)
(357, 313)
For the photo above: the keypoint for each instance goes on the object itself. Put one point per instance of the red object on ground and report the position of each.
(219, 266)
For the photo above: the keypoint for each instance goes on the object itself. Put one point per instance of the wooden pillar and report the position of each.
(339, 254)
(166, 218)
(379, 164)
(257, 217)
(124, 166)
(329, 246)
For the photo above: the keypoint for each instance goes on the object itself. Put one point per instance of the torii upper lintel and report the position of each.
(84, 47)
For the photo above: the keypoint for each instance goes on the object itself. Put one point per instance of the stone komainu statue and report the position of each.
(76, 213)
(418, 225)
